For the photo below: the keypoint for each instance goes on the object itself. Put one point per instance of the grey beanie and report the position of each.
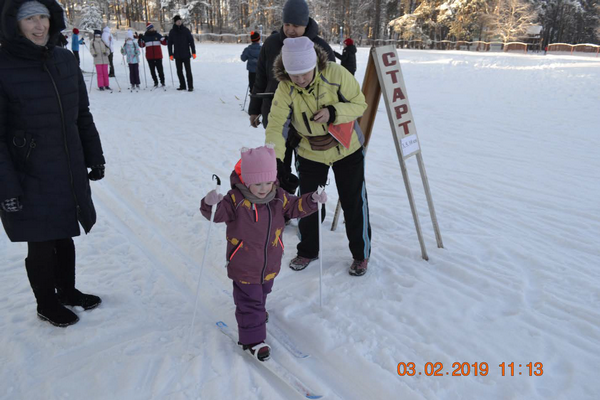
(295, 12)
(31, 8)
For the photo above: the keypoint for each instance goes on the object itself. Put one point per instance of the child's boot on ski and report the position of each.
(261, 351)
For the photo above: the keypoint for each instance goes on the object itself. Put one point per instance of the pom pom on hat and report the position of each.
(259, 165)
(254, 36)
(295, 12)
(298, 55)
(76, 31)
(149, 26)
(348, 42)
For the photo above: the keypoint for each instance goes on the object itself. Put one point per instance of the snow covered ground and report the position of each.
(510, 143)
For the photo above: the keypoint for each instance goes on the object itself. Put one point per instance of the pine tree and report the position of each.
(91, 17)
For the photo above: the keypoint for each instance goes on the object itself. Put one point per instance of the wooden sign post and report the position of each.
(384, 76)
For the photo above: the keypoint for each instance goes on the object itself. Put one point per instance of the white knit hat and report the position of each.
(298, 55)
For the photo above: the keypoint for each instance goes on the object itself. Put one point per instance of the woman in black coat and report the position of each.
(48, 141)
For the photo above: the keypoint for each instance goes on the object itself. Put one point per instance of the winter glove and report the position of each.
(171, 57)
(96, 173)
(194, 55)
(213, 198)
(11, 205)
(319, 198)
(287, 181)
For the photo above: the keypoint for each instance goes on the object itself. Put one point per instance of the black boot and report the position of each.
(65, 278)
(41, 278)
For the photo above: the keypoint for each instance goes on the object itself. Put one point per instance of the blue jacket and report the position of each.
(75, 42)
(250, 54)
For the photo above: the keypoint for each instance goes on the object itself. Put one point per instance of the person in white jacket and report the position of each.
(109, 40)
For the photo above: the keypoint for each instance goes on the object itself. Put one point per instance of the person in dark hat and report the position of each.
(348, 56)
(152, 41)
(296, 23)
(250, 55)
(182, 49)
(45, 194)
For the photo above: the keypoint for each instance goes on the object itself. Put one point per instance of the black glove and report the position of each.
(96, 173)
(287, 181)
(11, 205)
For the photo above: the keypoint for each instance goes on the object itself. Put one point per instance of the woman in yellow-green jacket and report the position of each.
(317, 96)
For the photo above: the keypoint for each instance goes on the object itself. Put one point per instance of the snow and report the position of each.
(510, 144)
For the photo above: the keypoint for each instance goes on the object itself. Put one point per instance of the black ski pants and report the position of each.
(156, 65)
(350, 181)
(179, 63)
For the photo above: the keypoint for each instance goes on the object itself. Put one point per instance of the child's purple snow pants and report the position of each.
(250, 311)
(134, 74)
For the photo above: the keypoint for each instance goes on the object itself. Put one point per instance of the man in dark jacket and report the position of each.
(152, 41)
(348, 56)
(45, 153)
(296, 23)
(180, 43)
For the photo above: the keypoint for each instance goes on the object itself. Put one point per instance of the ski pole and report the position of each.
(126, 68)
(319, 191)
(171, 68)
(116, 80)
(92, 80)
(212, 218)
(246, 98)
(144, 62)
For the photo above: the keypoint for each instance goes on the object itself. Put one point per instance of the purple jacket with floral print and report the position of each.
(255, 231)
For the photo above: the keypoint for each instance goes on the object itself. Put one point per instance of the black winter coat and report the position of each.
(348, 58)
(180, 41)
(47, 134)
(265, 79)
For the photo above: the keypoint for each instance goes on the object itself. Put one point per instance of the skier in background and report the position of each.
(152, 40)
(75, 42)
(348, 56)
(131, 50)
(250, 55)
(254, 211)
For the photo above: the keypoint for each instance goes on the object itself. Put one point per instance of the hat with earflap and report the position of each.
(259, 165)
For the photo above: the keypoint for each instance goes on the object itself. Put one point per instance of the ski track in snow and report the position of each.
(509, 145)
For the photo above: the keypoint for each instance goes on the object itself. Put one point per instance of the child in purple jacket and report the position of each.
(255, 210)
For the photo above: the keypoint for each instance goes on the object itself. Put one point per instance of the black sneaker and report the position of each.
(261, 351)
(299, 263)
(180, 88)
(76, 298)
(101, 89)
(57, 314)
(191, 89)
(359, 267)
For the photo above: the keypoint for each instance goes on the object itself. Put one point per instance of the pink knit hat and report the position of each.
(298, 55)
(259, 165)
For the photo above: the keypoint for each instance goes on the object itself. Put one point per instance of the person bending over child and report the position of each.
(255, 210)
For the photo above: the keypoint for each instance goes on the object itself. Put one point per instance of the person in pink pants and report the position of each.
(100, 52)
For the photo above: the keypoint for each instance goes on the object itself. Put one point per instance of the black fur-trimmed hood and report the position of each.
(11, 38)
(279, 70)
